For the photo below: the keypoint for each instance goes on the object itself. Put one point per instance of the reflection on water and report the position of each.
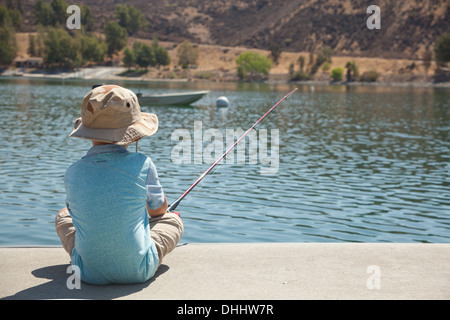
(366, 164)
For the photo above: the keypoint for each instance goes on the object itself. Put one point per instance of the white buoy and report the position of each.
(222, 102)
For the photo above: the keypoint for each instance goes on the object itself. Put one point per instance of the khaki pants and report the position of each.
(166, 231)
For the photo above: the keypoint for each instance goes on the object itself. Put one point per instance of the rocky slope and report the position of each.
(407, 27)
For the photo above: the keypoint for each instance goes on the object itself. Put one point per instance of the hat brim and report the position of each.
(146, 127)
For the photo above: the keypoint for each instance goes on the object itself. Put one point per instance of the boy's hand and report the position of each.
(176, 212)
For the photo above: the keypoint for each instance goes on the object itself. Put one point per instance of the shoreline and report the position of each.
(111, 74)
(217, 63)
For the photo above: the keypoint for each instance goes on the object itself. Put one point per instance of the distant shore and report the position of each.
(218, 64)
(113, 74)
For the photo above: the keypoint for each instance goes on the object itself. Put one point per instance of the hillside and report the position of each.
(407, 27)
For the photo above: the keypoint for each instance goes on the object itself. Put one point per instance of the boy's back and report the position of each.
(106, 197)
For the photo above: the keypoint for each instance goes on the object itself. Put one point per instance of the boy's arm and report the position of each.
(155, 193)
(159, 211)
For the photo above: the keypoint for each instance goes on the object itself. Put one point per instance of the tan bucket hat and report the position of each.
(112, 114)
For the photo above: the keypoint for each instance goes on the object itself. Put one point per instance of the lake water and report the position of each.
(358, 164)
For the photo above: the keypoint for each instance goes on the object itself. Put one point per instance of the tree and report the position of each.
(44, 13)
(40, 45)
(59, 12)
(291, 70)
(130, 18)
(301, 62)
(10, 17)
(32, 46)
(187, 54)
(320, 59)
(35, 45)
(87, 19)
(93, 49)
(299, 75)
(144, 55)
(4, 16)
(327, 52)
(16, 18)
(121, 15)
(8, 23)
(7, 45)
(14, 4)
(161, 54)
(136, 20)
(323, 56)
(51, 14)
(162, 57)
(442, 49)
(116, 37)
(275, 53)
(427, 58)
(61, 48)
(128, 59)
(352, 71)
(253, 66)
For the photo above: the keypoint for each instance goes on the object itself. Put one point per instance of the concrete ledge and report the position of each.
(255, 271)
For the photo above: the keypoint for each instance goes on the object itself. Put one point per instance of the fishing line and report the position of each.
(201, 185)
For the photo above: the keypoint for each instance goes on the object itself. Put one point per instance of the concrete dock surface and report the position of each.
(253, 271)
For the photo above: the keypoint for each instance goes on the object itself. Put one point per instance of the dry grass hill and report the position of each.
(407, 27)
(224, 29)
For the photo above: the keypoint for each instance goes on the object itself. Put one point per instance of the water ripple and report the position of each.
(365, 165)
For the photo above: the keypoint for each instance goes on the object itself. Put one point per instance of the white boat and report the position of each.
(171, 99)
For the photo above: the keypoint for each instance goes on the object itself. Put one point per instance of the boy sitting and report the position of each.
(111, 193)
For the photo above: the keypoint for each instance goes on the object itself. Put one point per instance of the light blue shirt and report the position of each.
(107, 192)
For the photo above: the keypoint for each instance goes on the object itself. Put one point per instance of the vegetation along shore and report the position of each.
(36, 42)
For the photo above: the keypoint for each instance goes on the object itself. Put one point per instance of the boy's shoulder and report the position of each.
(127, 159)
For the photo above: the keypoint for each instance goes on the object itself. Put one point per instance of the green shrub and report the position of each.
(161, 54)
(93, 49)
(187, 54)
(326, 66)
(337, 73)
(369, 76)
(300, 76)
(275, 53)
(144, 55)
(130, 18)
(129, 59)
(253, 66)
(322, 57)
(10, 22)
(203, 75)
(61, 50)
(7, 45)
(116, 37)
(442, 49)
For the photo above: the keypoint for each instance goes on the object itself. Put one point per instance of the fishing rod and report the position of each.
(177, 202)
